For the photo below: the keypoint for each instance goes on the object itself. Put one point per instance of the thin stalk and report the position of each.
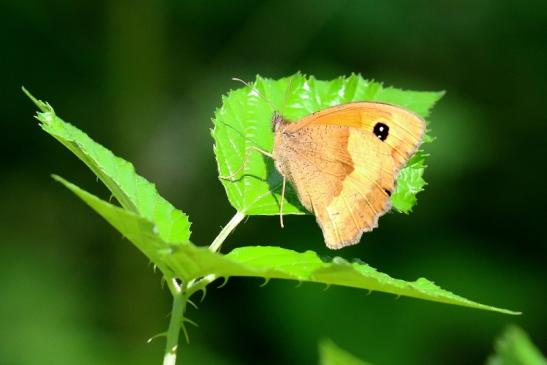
(232, 224)
(173, 331)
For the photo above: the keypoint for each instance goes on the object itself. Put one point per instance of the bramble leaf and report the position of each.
(132, 191)
(188, 262)
(244, 120)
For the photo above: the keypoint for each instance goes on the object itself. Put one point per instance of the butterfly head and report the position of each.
(277, 121)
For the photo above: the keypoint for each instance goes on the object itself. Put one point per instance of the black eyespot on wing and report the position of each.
(387, 191)
(381, 131)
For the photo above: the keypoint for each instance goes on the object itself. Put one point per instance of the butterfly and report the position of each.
(343, 162)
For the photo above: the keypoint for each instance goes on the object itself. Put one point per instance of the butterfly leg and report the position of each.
(282, 200)
(245, 161)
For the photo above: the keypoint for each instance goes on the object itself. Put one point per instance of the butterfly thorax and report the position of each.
(277, 121)
(278, 126)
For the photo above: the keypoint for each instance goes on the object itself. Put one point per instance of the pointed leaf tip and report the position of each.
(132, 191)
(42, 105)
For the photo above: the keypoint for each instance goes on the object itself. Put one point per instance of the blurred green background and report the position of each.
(144, 77)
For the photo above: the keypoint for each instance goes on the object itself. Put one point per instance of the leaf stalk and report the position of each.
(225, 232)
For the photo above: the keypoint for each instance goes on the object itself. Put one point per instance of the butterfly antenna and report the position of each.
(254, 89)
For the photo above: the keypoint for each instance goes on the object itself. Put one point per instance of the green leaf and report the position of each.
(331, 354)
(280, 263)
(244, 120)
(134, 192)
(158, 229)
(189, 262)
(141, 232)
(515, 348)
(404, 197)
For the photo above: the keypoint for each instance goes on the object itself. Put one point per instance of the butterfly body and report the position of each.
(343, 162)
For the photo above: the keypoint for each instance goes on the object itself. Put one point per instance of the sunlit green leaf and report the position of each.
(244, 120)
(141, 232)
(134, 192)
(189, 262)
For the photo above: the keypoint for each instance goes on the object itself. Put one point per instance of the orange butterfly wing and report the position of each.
(406, 129)
(342, 171)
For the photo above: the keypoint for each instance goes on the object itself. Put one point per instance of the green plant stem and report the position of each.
(175, 322)
(180, 294)
(232, 224)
